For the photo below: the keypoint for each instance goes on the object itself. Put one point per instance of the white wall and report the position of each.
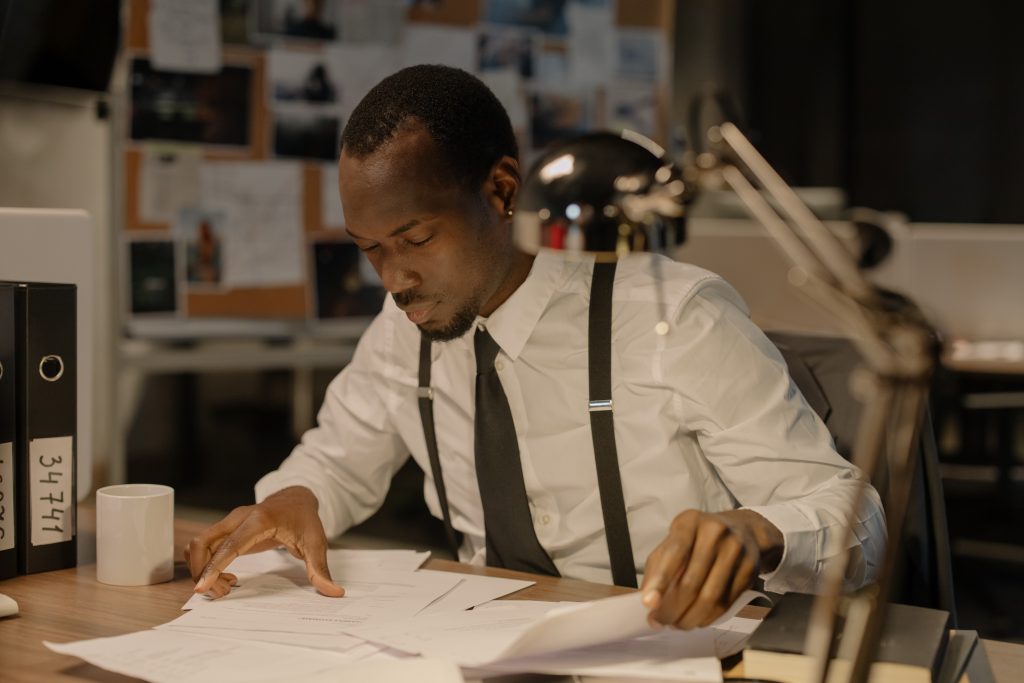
(55, 153)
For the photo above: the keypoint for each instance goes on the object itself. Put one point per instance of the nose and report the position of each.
(396, 278)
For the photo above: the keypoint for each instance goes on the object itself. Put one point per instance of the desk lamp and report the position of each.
(607, 195)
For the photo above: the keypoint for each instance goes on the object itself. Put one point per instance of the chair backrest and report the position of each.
(821, 367)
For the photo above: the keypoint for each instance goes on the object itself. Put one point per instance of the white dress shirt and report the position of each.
(706, 417)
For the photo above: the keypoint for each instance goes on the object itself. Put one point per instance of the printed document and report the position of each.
(483, 637)
(272, 602)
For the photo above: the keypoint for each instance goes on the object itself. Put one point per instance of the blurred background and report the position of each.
(200, 137)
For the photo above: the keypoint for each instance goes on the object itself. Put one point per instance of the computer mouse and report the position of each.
(8, 607)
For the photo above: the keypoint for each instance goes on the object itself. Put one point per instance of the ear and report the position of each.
(502, 185)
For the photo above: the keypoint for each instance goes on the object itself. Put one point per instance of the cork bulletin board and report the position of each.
(230, 205)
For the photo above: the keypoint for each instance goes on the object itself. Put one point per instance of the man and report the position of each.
(726, 472)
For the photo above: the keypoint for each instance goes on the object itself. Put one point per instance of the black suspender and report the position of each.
(602, 426)
(426, 401)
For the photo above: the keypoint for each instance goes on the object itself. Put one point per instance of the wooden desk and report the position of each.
(71, 605)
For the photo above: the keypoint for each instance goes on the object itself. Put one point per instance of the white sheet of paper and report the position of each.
(280, 562)
(418, 669)
(168, 182)
(482, 637)
(371, 21)
(331, 213)
(359, 67)
(271, 602)
(436, 44)
(731, 635)
(471, 638)
(591, 43)
(263, 243)
(537, 608)
(171, 657)
(552, 70)
(507, 86)
(472, 591)
(184, 35)
(314, 641)
(670, 655)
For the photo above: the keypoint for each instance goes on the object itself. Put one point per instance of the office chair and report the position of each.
(821, 367)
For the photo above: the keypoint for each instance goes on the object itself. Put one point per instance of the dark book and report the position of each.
(8, 510)
(46, 417)
(911, 650)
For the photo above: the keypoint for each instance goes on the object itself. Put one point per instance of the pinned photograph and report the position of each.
(552, 64)
(306, 132)
(543, 15)
(151, 263)
(308, 19)
(640, 54)
(202, 234)
(205, 108)
(505, 49)
(301, 77)
(632, 106)
(555, 117)
(346, 284)
(372, 21)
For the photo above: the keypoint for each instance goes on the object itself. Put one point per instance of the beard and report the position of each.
(457, 326)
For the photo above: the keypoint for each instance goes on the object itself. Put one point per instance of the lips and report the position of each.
(420, 313)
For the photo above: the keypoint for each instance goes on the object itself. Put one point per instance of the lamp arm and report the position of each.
(900, 351)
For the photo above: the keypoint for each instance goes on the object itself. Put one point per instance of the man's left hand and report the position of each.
(705, 563)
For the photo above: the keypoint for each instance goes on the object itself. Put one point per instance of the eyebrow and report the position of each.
(397, 231)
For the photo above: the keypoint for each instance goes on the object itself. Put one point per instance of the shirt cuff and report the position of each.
(797, 570)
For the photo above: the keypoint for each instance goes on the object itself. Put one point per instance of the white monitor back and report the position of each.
(56, 245)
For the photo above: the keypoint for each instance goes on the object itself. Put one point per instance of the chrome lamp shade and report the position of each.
(601, 194)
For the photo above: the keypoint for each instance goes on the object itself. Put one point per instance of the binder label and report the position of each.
(6, 496)
(50, 469)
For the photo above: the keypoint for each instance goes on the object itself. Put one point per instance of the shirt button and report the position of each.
(498, 365)
(545, 520)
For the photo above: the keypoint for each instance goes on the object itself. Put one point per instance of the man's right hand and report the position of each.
(288, 517)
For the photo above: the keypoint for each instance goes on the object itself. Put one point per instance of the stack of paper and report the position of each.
(420, 624)
(517, 636)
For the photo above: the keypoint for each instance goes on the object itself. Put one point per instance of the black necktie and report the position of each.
(511, 541)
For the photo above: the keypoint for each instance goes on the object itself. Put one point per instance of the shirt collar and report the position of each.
(513, 321)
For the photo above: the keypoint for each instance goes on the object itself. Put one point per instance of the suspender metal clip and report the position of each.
(598, 406)
(425, 392)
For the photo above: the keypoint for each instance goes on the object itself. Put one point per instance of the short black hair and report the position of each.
(463, 117)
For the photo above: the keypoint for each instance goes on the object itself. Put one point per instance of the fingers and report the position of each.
(319, 573)
(287, 518)
(714, 563)
(201, 548)
(682, 593)
(251, 532)
(743, 579)
(712, 598)
(222, 586)
(669, 559)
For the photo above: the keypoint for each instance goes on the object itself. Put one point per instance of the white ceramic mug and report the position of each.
(134, 534)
